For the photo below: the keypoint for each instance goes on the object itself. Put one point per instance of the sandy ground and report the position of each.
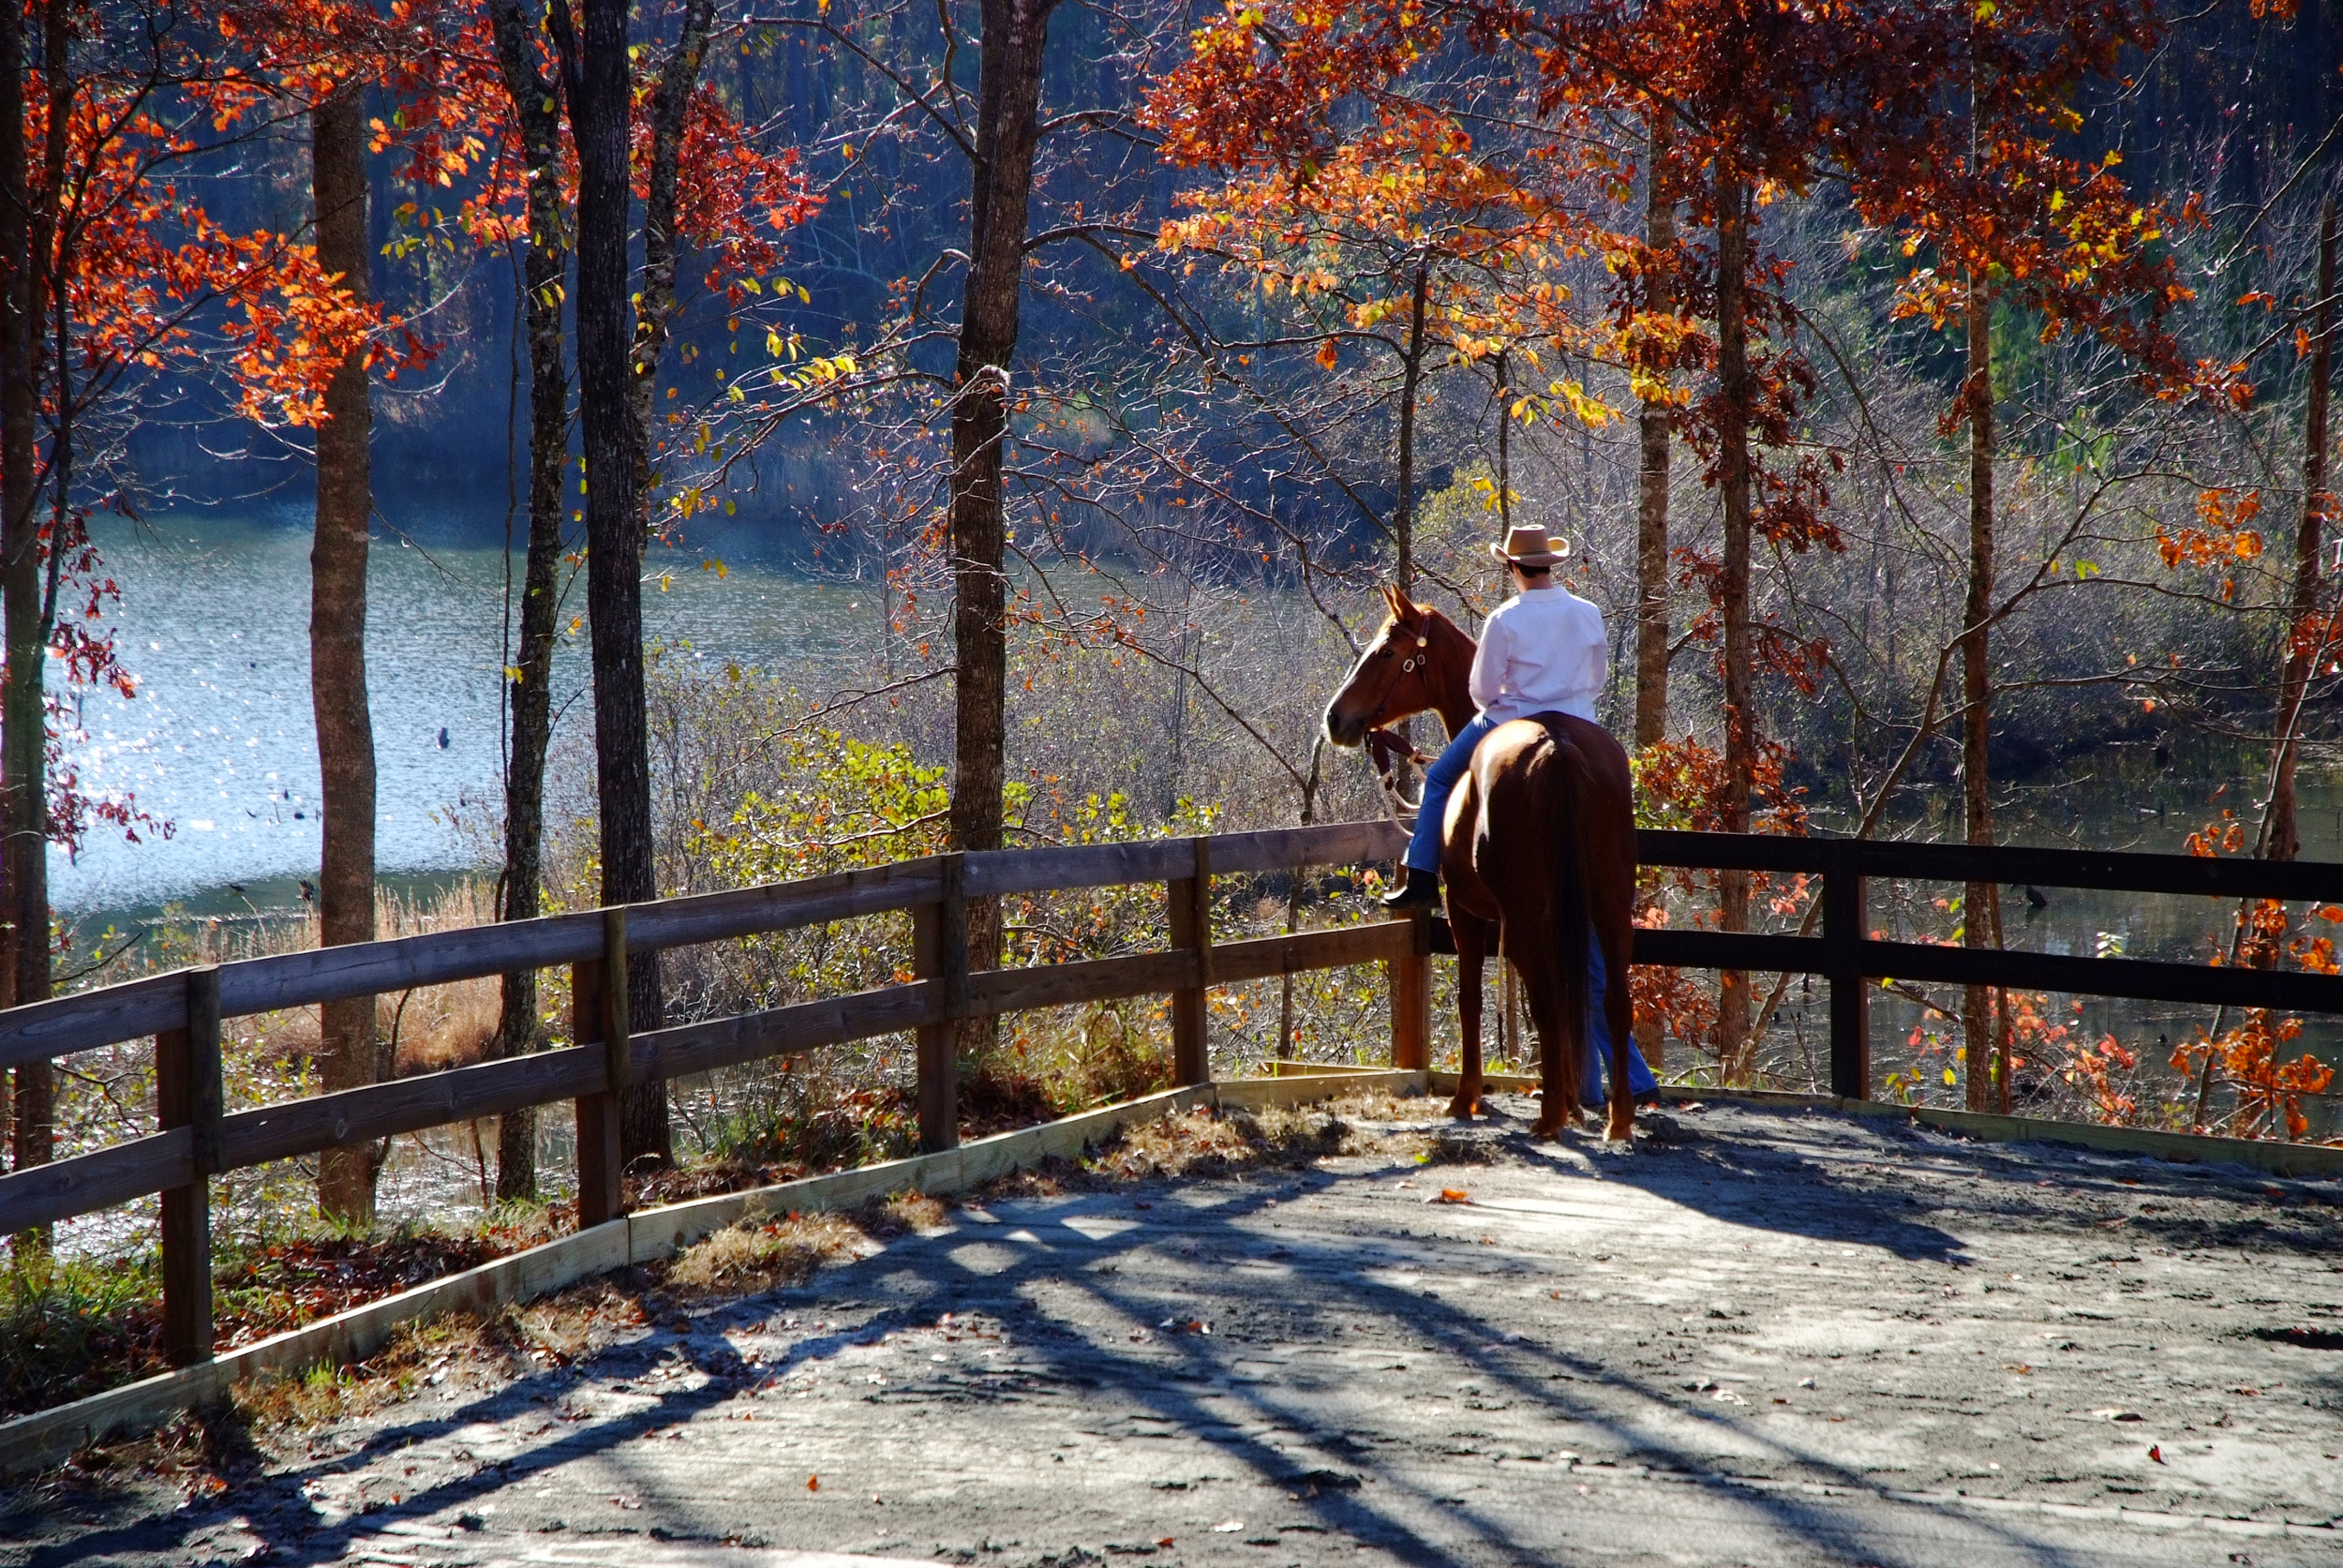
(1760, 1337)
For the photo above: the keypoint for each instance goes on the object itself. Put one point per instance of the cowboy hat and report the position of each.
(1525, 545)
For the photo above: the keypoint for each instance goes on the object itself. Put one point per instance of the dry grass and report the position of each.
(1205, 1143)
(744, 1260)
(432, 1026)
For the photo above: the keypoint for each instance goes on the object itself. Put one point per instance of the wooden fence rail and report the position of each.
(196, 1139)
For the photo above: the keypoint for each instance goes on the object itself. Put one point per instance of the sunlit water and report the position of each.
(220, 742)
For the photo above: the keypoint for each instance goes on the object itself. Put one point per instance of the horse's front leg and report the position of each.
(1473, 945)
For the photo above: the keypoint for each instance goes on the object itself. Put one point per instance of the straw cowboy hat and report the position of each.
(1525, 545)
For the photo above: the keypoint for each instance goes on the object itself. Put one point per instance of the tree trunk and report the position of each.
(1734, 1046)
(600, 110)
(1009, 94)
(655, 302)
(1977, 803)
(543, 265)
(1651, 501)
(1651, 512)
(1411, 385)
(2282, 837)
(23, 718)
(337, 647)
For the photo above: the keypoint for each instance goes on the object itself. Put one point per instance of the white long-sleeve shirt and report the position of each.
(1543, 652)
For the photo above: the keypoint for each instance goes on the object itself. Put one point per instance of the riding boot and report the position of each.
(1417, 889)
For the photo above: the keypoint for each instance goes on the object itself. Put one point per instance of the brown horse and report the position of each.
(1538, 851)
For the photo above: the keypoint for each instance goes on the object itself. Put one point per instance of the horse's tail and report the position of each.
(1568, 915)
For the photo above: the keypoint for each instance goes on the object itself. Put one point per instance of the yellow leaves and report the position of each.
(2058, 202)
(1590, 412)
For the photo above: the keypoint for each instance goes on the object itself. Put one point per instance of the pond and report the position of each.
(221, 741)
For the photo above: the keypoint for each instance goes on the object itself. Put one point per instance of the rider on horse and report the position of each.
(1542, 652)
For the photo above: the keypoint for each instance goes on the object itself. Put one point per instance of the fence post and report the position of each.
(188, 1093)
(939, 950)
(1190, 902)
(598, 1014)
(1410, 979)
(1843, 918)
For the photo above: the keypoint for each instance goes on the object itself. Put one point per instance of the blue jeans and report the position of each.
(1439, 782)
(1598, 1036)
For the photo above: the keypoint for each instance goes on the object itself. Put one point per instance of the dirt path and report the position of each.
(1760, 1339)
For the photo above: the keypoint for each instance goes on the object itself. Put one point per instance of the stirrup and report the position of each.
(1416, 890)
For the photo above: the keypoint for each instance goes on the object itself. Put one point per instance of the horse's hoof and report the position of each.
(1464, 1106)
(1621, 1129)
(1548, 1126)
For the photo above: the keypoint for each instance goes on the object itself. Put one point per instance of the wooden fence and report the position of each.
(197, 1139)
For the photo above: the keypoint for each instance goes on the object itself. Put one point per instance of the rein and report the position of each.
(1386, 749)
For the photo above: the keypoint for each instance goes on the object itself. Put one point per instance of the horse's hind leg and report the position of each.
(1473, 936)
(1540, 989)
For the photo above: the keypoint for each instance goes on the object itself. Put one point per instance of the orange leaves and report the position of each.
(1262, 82)
(2220, 535)
(2269, 1091)
(1349, 176)
(2225, 837)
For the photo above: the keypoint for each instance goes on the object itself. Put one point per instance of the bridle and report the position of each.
(1386, 749)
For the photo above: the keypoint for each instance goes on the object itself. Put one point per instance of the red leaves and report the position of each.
(733, 199)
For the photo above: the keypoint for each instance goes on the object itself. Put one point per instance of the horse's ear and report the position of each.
(1395, 602)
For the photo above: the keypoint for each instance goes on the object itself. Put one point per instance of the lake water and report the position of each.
(221, 741)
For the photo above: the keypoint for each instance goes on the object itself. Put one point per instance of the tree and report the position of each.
(347, 1055)
(118, 279)
(544, 268)
(1357, 187)
(22, 720)
(598, 94)
(2308, 635)
(1009, 96)
(2012, 220)
(1655, 363)
(1658, 414)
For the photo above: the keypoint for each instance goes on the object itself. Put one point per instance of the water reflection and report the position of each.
(221, 741)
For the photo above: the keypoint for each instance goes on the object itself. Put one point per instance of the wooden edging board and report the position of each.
(44, 1438)
(2184, 1148)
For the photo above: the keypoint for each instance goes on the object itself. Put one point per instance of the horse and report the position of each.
(1538, 853)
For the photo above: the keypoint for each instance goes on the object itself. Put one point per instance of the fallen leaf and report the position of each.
(813, 1483)
(1165, 1542)
(2156, 1452)
(1451, 1195)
